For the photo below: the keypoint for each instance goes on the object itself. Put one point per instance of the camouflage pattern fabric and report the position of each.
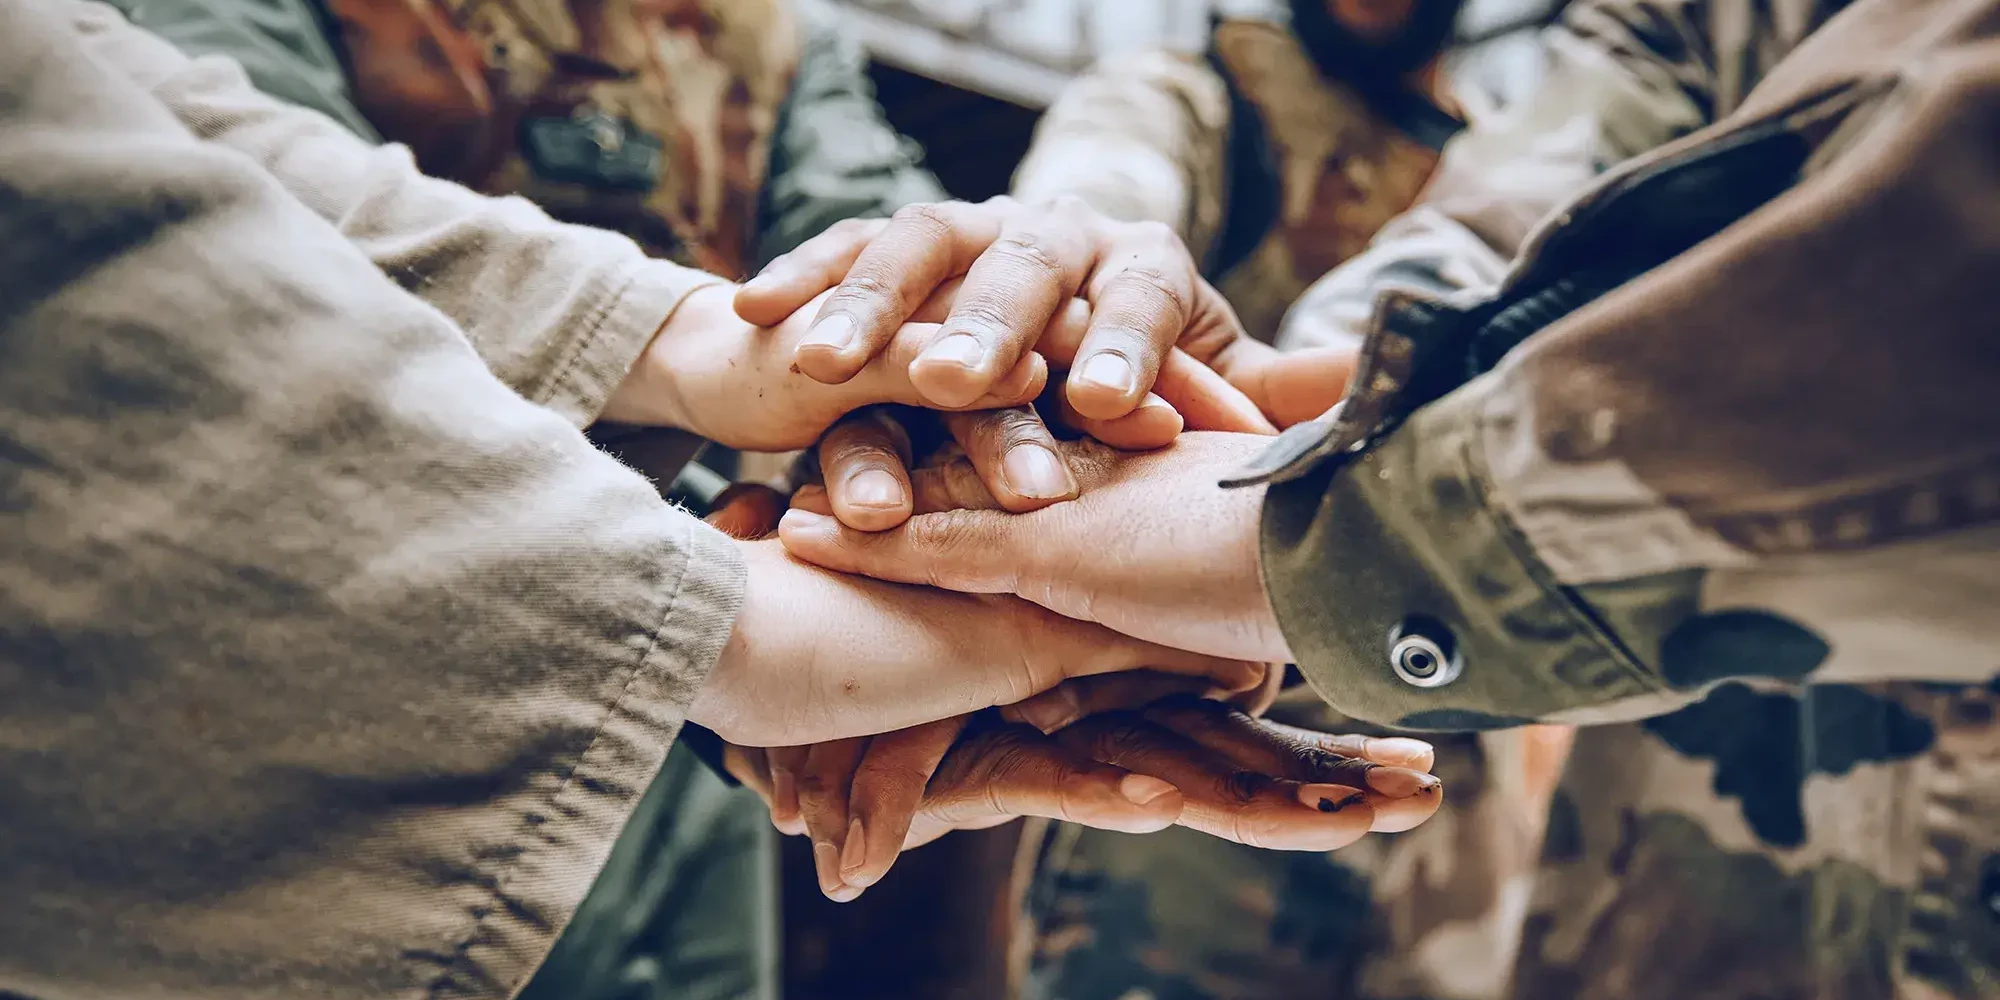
(703, 83)
(1770, 619)
(1433, 912)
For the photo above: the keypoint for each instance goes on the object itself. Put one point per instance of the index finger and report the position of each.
(1142, 298)
(1012, 290)
(793, 279)
(921, 248)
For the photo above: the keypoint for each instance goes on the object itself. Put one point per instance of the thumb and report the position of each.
(1296, 387)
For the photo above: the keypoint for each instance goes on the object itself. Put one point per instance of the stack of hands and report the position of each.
(1024, 411)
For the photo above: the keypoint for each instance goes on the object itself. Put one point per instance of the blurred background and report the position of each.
(968, 78)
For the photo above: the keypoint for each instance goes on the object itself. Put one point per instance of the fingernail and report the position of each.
(1143, 789)
(809, 493)
(1329, 798)
(804, 520)
(854, 855)
(1398, 751)
(835, 331)
(874, 488)
(844, 893)
(1109, 370)
(1034, 471)
(1401, 782)
(826, 862)
(1051, 711)
(961, 349)
(784, 795)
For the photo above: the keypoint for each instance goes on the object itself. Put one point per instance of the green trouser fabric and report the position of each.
(683, 909)
(686, 908)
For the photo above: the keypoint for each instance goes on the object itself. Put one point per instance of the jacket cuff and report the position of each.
(1410, 601)
(641, 298)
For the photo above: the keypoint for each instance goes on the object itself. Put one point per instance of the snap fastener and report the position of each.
(1423, 653)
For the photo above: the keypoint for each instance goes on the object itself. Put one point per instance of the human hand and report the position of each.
(1133, 751)
(816, 655)
(710, 372)
(1183, 760)
(1012, 269)
(1153, 548)
(863, 462)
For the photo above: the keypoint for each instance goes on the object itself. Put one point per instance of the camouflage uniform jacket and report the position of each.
(1272, 171)
(718, 133)
(1717, 452)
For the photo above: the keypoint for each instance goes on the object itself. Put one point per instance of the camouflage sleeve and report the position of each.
(1609, 92)
(1142, 137)
(1723, 469)
(834, 156)
(558, 312)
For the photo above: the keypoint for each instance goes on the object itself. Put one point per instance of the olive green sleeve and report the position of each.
(834, 155)
(1714, 471)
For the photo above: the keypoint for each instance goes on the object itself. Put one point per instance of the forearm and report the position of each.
(558, 312)
(342, 662)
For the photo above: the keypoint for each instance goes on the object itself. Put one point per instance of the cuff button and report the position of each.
(1423, 654)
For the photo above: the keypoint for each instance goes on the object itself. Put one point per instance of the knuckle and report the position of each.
(980, 315)
(1243, 787)
(814, 785)
(941, 533)
(932, 218)
(1028, 252)
(1152, 282)
(1111, 736)
(1009, 427)
(1153, 232)
(866, 284)
(1006, 752)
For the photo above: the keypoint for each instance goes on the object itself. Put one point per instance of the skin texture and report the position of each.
(1153, 548)
(1134, 751)
(817, 656)
(1139, 345)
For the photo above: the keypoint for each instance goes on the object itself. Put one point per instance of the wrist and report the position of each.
(655, 392)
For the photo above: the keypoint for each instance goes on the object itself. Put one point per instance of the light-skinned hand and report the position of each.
(1153, 548)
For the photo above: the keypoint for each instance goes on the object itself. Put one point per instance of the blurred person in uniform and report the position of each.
(715, 133)
(1310, 125)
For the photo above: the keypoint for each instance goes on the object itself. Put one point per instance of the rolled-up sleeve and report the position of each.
(559, 312)
(329, 665)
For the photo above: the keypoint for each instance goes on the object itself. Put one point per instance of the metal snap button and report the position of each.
(1423, 653)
